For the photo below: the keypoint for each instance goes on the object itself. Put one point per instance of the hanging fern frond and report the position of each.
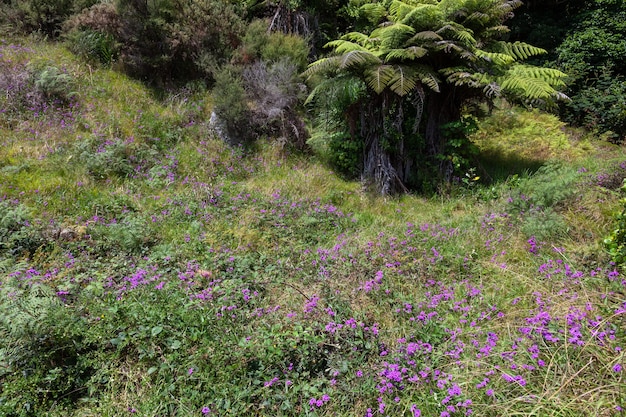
(428, 77)
(378, 78)
(404, 80)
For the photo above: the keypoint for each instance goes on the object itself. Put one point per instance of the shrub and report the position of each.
(275, 92)
(230, 106)
(105, 159)
(259, 44)
(615, 243)
(592, 54)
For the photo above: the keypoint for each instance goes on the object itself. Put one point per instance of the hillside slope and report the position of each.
(149, 269)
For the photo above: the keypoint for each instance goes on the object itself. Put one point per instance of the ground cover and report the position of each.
(148, 269)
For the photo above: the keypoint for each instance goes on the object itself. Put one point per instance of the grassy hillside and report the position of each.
(148, 269)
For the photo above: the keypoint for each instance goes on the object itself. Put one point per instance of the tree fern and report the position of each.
(379, 77)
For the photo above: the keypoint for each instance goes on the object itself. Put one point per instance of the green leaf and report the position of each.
(156, 330)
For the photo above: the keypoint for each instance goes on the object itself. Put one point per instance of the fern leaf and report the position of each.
(322, 65)
(357, 37)
(374, 12)
(519, 50)
(406, 54)
(427, 35)
(499, 59)
(341, 46)
(394, 36)
(356, 58)
(403, 81)
(427, 77)
(399, 9)
(378, 79)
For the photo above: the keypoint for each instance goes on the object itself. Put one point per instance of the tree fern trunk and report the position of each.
(443, 108)
(384, 159)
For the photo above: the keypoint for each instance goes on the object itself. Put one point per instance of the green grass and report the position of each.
(149, 269)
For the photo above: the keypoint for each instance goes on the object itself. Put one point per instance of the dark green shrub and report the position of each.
(615, 243)
(93, 45)
(593, 54)
(55, 84)
(231, 107)
(167, 40)
(106, 159)
(345, 153)
(258, 44)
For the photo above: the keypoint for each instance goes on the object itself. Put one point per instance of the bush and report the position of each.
(258, 44)
(231, 107)
(592, 55)
(615, 243)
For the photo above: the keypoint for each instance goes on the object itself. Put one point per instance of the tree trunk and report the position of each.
(384, 160)
(442, 108)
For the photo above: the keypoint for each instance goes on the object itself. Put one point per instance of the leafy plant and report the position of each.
(429, 59)
(615, 242)
(42, 355)
(55, 84)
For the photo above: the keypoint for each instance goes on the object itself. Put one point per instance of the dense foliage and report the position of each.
(419, 66)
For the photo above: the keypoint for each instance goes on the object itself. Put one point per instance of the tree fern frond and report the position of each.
(426, 35)
(551, 76)
(356, 58)
(341, 46)
(419, 13)
(527, 87)
(457, 32)
(406, 54)
(393, 36)
(498, 29)
(322, 65)
(403, 81)
(358, 38)
(341, 88)
(399, 9)
(374, 12)
(478, 17)
(518, 50)
(378, 79)
(427, 76)
(495, 57)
